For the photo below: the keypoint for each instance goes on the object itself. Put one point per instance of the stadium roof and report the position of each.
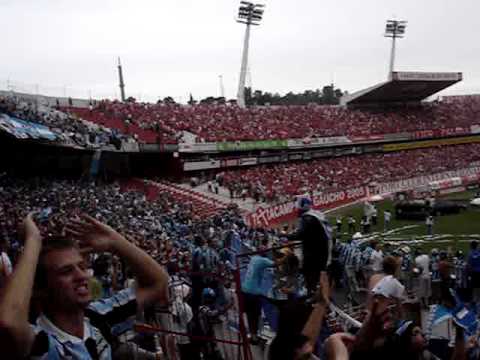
(403, 87)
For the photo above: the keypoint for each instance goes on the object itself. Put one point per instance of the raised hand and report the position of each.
(30, 229)
(92, 234)
(339, 345)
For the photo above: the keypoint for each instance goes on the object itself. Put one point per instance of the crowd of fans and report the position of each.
(281, 182)
(199, 258)
(68, 129)
(168, 231)
(169, 123)
(165, 122)
(154, 225)
(405, 303)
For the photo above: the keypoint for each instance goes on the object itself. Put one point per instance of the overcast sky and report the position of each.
(178, 47)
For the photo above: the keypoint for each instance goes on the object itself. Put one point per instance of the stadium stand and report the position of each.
(215, 123)
(281, 182)
(174, 237)
(200, 205)
(25, 119)
(220, 268)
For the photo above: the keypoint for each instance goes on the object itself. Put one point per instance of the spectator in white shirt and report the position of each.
(429, 223)
(182, 315)
(387, 217)
(376, 258)
(422, 262)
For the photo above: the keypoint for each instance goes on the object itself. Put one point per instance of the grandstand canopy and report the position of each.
(403, 87)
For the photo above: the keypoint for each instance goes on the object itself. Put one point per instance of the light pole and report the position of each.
(248, 14)
(222, 89)
(120, 78)
(395, 29)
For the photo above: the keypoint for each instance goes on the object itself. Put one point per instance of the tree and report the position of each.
(328, 95)
(208, 100)
(169, 100)
(213, 100)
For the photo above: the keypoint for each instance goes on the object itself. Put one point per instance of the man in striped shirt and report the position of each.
(69, 325)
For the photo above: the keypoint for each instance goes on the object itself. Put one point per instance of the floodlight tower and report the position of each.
(248, 14)
(395, 29)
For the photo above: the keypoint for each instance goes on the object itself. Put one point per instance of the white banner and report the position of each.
(413, 183)
(198, 147)
(247, 161)
(426, 76)
(201, 165)
(313, 142)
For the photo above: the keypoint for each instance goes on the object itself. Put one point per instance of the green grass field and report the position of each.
(465, 223)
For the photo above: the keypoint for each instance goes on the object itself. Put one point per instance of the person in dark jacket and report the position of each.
(316, 235)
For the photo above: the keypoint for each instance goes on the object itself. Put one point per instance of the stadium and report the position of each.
(215, 191)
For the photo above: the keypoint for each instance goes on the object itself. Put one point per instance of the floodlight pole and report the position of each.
(395, 29)
(249, 14)
(392, 56)
(222, 88)
(122, 84)
(243, 69)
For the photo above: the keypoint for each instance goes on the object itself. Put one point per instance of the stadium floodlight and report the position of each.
(248, 14)
(395, 29)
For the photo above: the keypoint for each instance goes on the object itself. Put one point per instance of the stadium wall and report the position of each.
(30, 158)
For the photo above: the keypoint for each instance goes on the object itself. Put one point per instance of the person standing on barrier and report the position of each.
(70, 326)
(316, 235)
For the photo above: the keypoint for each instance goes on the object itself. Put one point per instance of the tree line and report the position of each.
(328, 95)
